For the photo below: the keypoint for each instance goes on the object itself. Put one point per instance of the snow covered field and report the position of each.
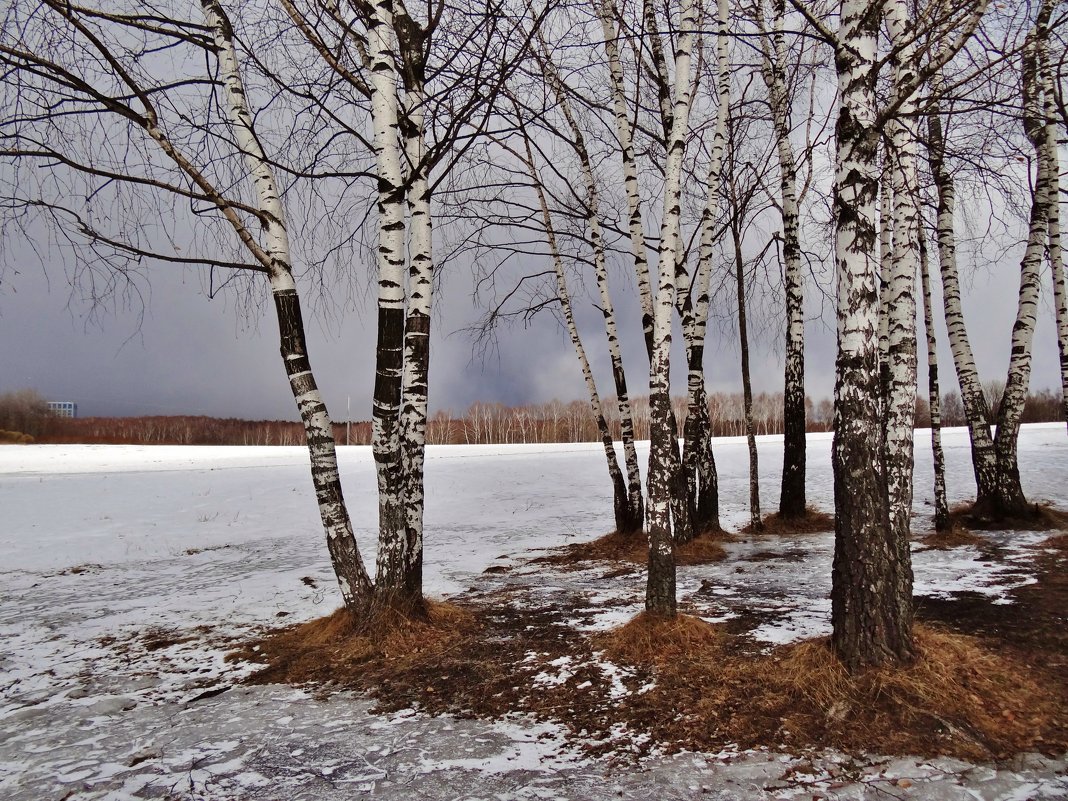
(126, 572)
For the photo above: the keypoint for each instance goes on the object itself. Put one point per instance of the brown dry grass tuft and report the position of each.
(956, 536)
(957, 698)
(703, 550)
(331, 648)
(634, 548)
(1042, 517)
(814, 522)
(653, 640)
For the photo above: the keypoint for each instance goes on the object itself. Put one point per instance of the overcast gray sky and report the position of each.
(192, 355)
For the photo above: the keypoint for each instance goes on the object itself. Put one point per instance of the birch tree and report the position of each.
(1010, 500)
(941, 504)
(871, 590)
(984, 462)
(622, 489)
(630, 511)
(660, 588)
(698, 461)
(773, 67)
(136, 96)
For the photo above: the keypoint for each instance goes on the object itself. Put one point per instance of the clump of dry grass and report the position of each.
(634, 548)
(333, 648)
(956, 698)
(956, 536)
(703, 550)
(653, 640)
(813, 522)
(1040, 517)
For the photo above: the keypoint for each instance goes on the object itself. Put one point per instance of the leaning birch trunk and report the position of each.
(1010, 500)
(416, 370)
(871, 601)
(633, 520)
(389, 351)
(941, 504)
(900, 302)
(756, 523)
(698, 461)
(984, 462)
(792, 500)
(345, 556)
(606, 12)
(619, 488)
(660, 588)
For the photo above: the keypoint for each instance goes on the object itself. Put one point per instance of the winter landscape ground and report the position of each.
(129, 573)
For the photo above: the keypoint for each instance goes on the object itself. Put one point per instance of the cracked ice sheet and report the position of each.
(228, 539)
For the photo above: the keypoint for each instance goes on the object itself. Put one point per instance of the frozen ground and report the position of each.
(126, 572)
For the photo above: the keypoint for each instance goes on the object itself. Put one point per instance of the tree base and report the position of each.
(812, 522)
(987, 516)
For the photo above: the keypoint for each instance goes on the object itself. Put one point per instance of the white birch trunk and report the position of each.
(345, 556)
(984, 462)
(900, 409)
(792, 498)
(934, 400)
(633, 517)
(415, 374)
(1053, 213)
(1010, 500)
(871, 599)
(385, 430)
(697, 458)
(660, 589)
(607, 13)
(562, 294)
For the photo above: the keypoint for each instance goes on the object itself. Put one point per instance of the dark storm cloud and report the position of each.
(191, 355)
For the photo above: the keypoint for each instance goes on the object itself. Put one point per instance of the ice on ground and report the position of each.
(127, 573)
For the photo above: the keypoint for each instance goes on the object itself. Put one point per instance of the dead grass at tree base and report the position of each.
(655, 641)
(1042, 517)
(333, 648)
(813, 522)
(957, 699)
(634, 548)
(956, 536)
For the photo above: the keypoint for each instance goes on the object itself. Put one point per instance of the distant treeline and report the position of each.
(481, 423)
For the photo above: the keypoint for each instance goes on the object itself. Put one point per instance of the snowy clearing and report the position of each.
(127, 574)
